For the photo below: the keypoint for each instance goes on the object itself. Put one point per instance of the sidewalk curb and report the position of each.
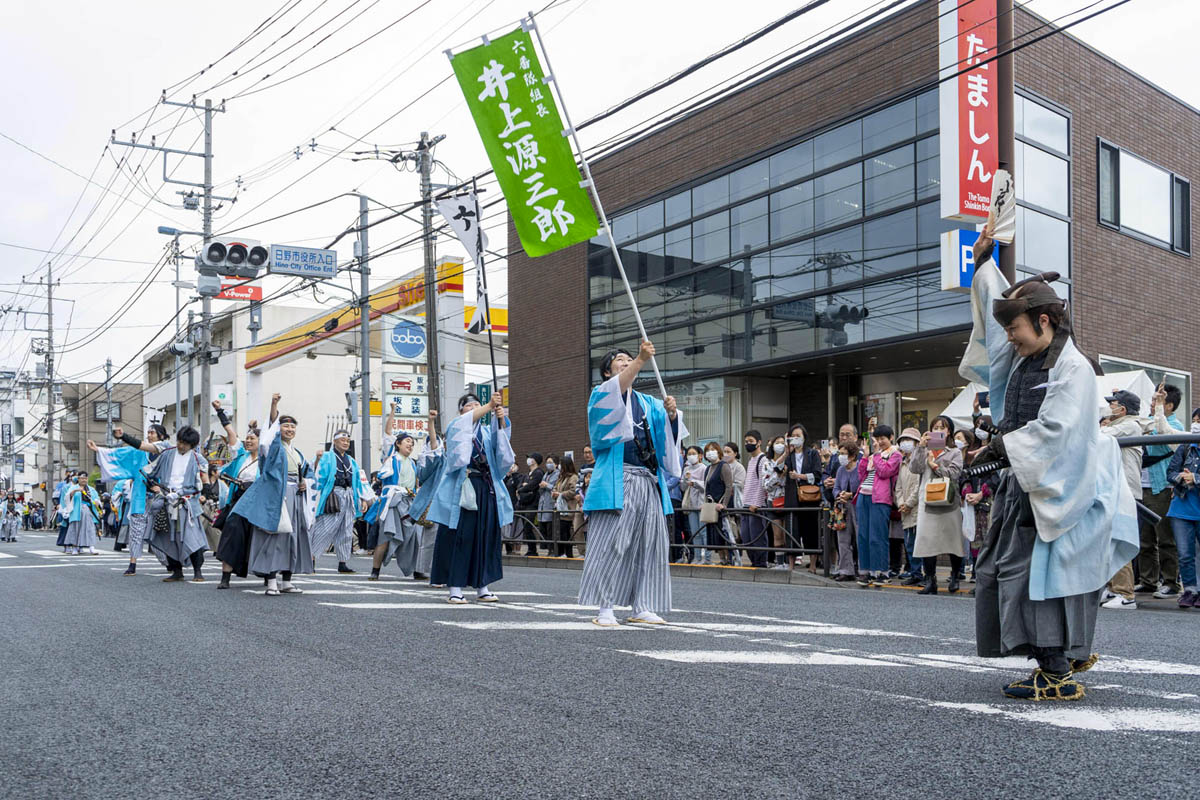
(741, 574)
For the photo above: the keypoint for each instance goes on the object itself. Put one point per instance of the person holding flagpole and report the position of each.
(636, 439)
(128, 463)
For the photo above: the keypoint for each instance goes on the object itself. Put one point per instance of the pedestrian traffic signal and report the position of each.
(233, 258)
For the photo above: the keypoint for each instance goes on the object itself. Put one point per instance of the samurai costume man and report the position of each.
(129, 463)
(464, 494)
(338, 477)
(84, 515)
(276, 506)
(10, 518)
(636, 439)
(173, 512)
(1063, 518)
(400, 537)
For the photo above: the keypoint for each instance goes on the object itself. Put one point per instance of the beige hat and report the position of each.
(910, 433)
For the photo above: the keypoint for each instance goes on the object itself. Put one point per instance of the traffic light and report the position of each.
(233, 258)
(352, 407)
(182, 349)
(835, 319)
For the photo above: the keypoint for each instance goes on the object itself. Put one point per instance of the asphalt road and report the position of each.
(120, 687)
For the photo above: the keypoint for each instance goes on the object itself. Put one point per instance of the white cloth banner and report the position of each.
(462, 214)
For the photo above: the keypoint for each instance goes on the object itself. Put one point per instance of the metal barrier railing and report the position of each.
(542, 529)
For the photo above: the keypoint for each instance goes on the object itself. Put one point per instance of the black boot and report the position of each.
(224, 584)
(343, 568)
(931, 586)
(374, 575)
(952, 587)
(176, 576)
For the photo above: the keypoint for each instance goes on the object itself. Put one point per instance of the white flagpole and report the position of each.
(531, 24)
(487, 311)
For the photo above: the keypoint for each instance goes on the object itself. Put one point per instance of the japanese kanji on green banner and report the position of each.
(523, 135)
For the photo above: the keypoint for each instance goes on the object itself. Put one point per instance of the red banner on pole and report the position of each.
(968, 105)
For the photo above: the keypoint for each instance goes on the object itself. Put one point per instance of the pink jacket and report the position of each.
(885, 475)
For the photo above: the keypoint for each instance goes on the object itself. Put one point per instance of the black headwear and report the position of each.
(1039, 294)
(606, 361)
(466, 398)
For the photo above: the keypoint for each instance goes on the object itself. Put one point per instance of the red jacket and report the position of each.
(885, 475)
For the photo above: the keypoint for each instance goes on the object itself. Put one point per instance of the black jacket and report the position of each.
(527, 492)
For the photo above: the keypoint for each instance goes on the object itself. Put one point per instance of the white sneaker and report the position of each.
(1107, 595)
(1120, 602)
(1166, 591)
(647, 618)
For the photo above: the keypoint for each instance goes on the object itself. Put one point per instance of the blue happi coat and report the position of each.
(1085, 513)
(126, 463)
(610, 426)
(262, 504)
(443, 471)
(327, 471)
(85, 498)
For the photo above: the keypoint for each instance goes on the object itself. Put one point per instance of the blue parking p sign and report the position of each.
(958, 260)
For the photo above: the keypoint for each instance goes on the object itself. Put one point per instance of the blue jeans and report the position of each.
(872, 534)
(915, 565)
(1187, 534)
(699, 533)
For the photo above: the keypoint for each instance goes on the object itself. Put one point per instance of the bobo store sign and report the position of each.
(970, 124)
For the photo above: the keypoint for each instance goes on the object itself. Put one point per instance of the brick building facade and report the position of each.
(1120, 282)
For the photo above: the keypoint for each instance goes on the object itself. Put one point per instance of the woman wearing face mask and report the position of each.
(977, 499)
(527, 501)
(939, 528)
(546, 502)
(845, 491)
(803, 490)
(718, 488)
(730, 455)
(693, 496)
(877, 473)
(566, 502)
(908, 484)
(774, 484)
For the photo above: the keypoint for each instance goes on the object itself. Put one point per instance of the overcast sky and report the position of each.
(75, 70)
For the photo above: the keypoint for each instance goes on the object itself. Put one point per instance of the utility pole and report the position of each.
(424, 157)
(364, 319)
(207, 210)
(49, 383)
(191, 398)
(108, 434)
(178, 388)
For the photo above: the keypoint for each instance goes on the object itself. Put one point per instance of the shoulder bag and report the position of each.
(941, 493)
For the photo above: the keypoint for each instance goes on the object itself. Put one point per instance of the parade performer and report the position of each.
(176, 479)
(83, 508)
(233, 548)
(128, 463)
(277, 508)
(1063, 519)
(400, 537)
(121, 496)
(635, 438)
(464, 494)
(341, 499)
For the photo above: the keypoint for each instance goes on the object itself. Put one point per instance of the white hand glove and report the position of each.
(173, 497)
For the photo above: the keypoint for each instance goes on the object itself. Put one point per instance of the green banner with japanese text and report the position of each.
(523, 135)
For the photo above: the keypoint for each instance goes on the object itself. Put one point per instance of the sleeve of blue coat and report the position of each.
(610, 418)
(119, 463)
(458, 441)
(989, 355)
(503, 456)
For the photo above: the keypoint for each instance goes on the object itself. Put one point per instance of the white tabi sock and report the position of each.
(483, 591)
(456, 591)
(605, 615)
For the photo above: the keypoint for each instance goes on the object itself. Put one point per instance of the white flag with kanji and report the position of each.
(462, 214)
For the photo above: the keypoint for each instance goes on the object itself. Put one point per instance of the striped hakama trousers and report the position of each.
(137, 535)
(336, 529)
(81, 533)
(626, 560)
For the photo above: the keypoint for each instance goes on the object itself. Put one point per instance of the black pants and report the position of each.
(896, 554)
(956, 564)
(565, 526)
(197, 559)
(677, 524)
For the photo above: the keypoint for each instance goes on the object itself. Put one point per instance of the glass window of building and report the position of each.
(711, 195)
(793, 270)
(1044, 244)
(792, 164)
(1141, 198)
(677, 208)
(838, 196)
(896, 123)
(748, 226)
(1036, 122)
(890, 243)
(792, 212)
(624, 228)
(1041, 178)
(929, 177)
(928, 112)
(838, 146)
(710, 238)
(748, 181)
(838, 256)
(650, 218)
(889, 180)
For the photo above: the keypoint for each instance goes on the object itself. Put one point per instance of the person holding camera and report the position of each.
(939, 510)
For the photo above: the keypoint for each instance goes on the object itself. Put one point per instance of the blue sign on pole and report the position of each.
(303, 262)
(958, 260)
(406, 341)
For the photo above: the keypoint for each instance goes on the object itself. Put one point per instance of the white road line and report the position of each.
(404, 606)
(537, 626)
(35, 566)
(759, 657)
(1087, 718)
(1105, 664)
(822, 630)
(259, 590)
(8, 555)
